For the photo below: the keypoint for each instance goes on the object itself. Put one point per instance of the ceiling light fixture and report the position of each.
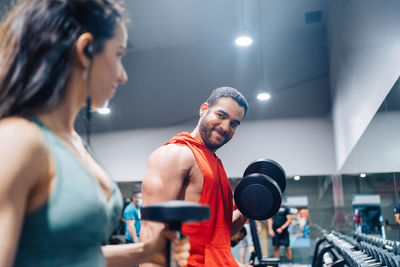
(296, 178)
(263, 96)
(243, 40)
(103, 111)
(363, 175)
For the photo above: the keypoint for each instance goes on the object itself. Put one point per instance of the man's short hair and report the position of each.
(221, 92)
(134, 194)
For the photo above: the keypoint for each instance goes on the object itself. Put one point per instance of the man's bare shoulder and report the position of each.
(173, 154)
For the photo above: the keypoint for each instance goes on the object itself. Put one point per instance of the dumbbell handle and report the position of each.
(174, 227)
(170, 260)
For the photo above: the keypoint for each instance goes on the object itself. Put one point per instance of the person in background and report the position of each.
(396, 212)
(357, 220)
(132, 219)
(278, 230)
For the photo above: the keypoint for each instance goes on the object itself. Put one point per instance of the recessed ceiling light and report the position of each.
(296, 178)
(103, 111)
(363, 175)
(263, 96)
(243, 40)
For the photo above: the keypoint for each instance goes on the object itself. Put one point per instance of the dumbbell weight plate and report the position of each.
(258, 196)
(270, 168)
(175, 212)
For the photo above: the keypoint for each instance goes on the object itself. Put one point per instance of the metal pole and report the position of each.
(395, 188)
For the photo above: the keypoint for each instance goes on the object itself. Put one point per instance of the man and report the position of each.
(278, 230)
(186, 168)
(132, 219)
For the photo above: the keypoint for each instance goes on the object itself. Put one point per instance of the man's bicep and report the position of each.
(164, 177)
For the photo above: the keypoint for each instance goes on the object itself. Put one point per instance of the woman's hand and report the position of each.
(180, 248)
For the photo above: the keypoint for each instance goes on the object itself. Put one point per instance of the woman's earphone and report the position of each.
(88, 50)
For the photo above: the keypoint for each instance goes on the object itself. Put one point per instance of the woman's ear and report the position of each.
(84, 49)
(203, 109)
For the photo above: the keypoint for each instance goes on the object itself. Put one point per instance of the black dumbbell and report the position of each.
(174, 213)
(259, 194)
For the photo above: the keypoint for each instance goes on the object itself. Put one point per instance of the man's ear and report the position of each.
(203, 109)
(83, 44)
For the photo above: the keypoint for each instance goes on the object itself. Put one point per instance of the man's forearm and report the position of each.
(132, 231)
(238, 220)
(270, 225)
(285, 225)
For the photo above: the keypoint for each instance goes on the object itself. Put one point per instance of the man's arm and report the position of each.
(167, 170)
(238, 220)
(286, 224)
(397, 218)
(270, 230)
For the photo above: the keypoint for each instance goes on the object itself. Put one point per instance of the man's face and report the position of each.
(137, 199)
(219, 123)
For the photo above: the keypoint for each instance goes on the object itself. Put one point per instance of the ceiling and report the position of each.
(182, 50)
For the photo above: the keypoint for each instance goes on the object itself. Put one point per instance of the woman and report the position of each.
(57, 205)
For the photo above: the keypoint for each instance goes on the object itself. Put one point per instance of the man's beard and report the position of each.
(206, 132)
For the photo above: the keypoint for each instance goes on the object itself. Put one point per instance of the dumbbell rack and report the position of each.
(354, 254)
(389, 245)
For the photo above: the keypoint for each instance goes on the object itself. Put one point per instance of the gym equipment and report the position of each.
(354, 253)
(259, 194)
(261, 261)
(174, 213)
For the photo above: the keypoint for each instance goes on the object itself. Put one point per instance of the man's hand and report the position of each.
(279, 230)
(271, 233)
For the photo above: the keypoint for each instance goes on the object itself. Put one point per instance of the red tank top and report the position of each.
(210, 240)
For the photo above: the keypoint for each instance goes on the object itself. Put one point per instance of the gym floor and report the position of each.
(302, 256)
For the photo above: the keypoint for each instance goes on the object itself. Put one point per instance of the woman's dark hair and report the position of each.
(37, 40)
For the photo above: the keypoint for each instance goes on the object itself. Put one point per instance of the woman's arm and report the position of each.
(154, 252)
(23, 163)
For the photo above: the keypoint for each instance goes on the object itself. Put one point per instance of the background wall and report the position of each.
(364, 58)
(301, 146)
(378, 149)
